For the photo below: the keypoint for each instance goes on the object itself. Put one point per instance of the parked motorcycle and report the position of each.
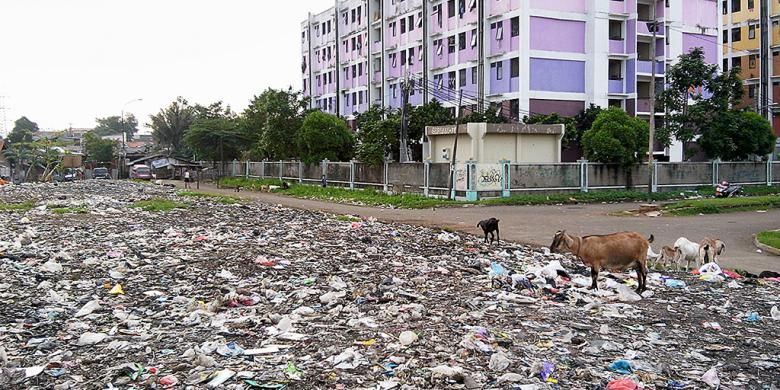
(726, 190)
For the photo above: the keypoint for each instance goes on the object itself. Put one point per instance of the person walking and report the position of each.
(187, 179)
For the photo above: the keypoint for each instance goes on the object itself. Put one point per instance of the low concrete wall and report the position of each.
(544, 176)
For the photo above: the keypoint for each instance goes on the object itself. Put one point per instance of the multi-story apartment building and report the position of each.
(522, 56)
(744, 42)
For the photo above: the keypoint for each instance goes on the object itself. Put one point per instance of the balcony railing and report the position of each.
(643, 105)
(617, 46)
(616, 86)
(645, 66)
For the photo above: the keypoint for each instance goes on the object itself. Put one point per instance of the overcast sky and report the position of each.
(67, 62)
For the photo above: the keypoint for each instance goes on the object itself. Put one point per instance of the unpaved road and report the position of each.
(536, 225)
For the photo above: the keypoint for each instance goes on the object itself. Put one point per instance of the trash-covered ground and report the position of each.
(248, 296)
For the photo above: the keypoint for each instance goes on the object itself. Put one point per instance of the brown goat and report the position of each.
(710, 249)
(617, 251)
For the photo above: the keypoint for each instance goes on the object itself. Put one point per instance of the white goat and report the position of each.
(688, 251)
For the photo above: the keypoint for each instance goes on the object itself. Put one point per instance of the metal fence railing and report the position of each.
(473, 179)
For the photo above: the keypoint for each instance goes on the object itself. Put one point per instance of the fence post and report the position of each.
(426, 177)
(262, 169)
(715, 172)
(300, 172)
(325, 168)
(471, 190)
(233, 169)
(246, 175)
(506, 179)
(386, 177)
(769, 172)
(583, 175)
(281, 170)
(655, 176)
(351, 174)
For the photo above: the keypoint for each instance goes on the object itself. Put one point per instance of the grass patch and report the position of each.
(155, 205)
(69, 210)
(770, 238)
(723, 205)
(24, 206)
(347, 218)
(224, 199)
(368, 197)
(250, 184)
(584, 197)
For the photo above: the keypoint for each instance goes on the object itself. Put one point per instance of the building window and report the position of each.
(515, 23)
(514, 109)
(499, 31)
(411, 23)
(360, 69)
(752, 31)
(451, 80)
(725, 7)
(752, 91)
(451, 8)
(615, 30)
(474, 75)
(438, 13)
(439, 47)
(392, 60)
(615, 70)
(736, 62)
(395, 91)
(735, 5)
(751, 4)
(392, 28)
(411, 56)
(438, 79)
(461, 8)
(403, 25)
(752, 61)
(725, 36)
(514, 65)
(403, 57)
(473, 38)
(499, 70)
(462, 77)
(462, 41)
(451, 44)
(736, 34)
(359, 13)
(725, 64)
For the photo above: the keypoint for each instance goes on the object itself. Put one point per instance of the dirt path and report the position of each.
(536, 225)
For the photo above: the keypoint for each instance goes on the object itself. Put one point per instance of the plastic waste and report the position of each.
(293, 372)
(623, 384)
(169, 380)
(775, 312)
(711, 378)
(117, 290)
(498, 362)
(88, 308)
(547, 371)
(674, 283)
(230, 349)
(627, 294)
(90, 338)
(752, 317)
(407, 338)
(220, 377)
(621, 367)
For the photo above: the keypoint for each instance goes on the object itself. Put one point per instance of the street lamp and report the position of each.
(124, 137)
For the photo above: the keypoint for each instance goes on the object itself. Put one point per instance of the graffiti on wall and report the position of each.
(488, 177)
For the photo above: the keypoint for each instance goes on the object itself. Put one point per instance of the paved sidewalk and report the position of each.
(536, 225)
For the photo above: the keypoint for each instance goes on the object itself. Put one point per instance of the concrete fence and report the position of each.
(474, 180)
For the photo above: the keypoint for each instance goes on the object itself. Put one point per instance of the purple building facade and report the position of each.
(524, 56)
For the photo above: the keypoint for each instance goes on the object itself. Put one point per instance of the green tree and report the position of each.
(20, 135)
(616, 137)
(99, 149)
(170, 124)
(325, 136)
(216, 139)
(24, 123)
(271, 123)
(493, 114)
(582, 122)
(377, 134)
(113, 125)
(696, 97)
(738, 136)
(215, 110)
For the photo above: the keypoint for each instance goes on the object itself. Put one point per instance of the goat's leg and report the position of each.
(594, 276)
(498, 235)
(640, 278)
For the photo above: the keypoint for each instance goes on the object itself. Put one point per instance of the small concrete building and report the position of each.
(492, 143)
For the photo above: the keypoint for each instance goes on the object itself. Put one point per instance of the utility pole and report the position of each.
(403, 153)
(451, 179)
(651, 143)
(763, 14)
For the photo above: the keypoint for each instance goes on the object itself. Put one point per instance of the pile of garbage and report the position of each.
(257, 296)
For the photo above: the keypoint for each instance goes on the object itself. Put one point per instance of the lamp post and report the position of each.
(124, 137)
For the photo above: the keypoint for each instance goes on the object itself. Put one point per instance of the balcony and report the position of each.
(643, 106)
(617, 46)
(645, 66)
(641, 28)
(618, 7)
(616, 86)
